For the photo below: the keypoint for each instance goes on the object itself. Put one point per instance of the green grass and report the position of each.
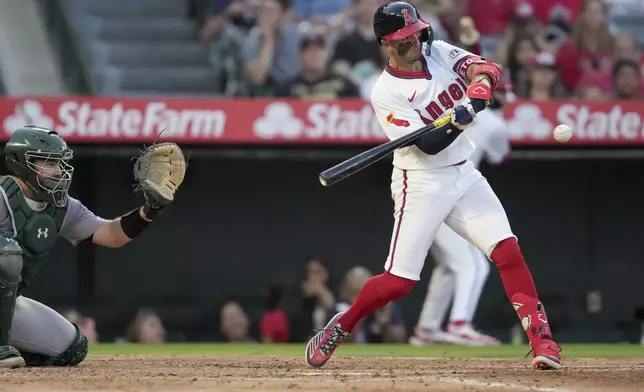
(569, 350)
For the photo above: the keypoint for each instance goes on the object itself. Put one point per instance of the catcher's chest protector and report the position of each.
(36, 231)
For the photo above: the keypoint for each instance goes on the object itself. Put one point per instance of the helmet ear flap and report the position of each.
(424, 36)
(427, 36)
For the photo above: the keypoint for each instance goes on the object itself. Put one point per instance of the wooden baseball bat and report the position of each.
(365, 159)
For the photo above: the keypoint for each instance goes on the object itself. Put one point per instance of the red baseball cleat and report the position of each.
(546, 354)
(323, 344)
(535, 323)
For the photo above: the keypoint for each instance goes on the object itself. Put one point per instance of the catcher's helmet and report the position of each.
(398, 20)
(30, 143)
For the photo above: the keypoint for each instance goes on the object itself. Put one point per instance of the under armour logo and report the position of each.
(408, 18)
(44, 233)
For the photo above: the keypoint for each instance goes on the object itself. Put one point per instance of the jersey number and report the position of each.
(445, 101)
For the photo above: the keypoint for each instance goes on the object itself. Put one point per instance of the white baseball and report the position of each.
(562, 133)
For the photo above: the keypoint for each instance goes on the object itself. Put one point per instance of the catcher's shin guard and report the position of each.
(75, 354)
(10, 270)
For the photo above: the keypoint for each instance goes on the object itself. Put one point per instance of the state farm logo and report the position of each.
(528, 121)
(319, 120)
(102, 118)
(278, 120)
(591, 121)
(27, 113)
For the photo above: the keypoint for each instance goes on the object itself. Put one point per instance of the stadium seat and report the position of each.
(149, 54)
(172, 79)
(130, 8)
(141, 47)
(144, 29)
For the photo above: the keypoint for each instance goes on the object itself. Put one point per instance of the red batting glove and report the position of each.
(479, 90)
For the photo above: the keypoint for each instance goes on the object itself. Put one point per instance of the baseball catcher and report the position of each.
(35, 209)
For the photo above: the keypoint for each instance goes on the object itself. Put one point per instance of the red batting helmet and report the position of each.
(398, 20)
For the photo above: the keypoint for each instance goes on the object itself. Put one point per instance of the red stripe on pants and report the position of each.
(400, 218)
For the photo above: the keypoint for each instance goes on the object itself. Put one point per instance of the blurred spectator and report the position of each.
(492, 17)
(627, 79)
(384, 325)
(225, 40)
(234, 323)
(87, 325)
(146, 328)
(357, 55)
(314, 80)
(522, 52)
(323, 9)
(524, 24)
(316, 300)
(272, 48)
(543, 82)
(240, 13)
(593, 86)
(554, 11)
(590, 47)
(274, 325)
(626, 48)
(454, 26)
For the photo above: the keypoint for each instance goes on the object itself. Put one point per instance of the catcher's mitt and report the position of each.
(159, 171)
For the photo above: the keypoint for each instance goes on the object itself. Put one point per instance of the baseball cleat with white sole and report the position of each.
(320, 347)
(10, 358)
(546, 354)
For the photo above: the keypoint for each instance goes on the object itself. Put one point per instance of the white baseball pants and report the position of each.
(458, 195)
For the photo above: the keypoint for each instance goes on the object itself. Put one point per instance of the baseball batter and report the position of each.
(433, 180)
(461, 269)
(35, 209)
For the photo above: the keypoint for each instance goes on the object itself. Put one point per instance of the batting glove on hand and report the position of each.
(479, 94)
(461, 117)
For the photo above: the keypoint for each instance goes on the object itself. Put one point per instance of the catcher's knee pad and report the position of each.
(75, 354)
(10, 261)
(507, 254)
(10, 270)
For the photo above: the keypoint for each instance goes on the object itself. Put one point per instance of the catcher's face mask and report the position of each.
(53, 175)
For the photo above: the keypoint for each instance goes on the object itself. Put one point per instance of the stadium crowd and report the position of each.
(289, 314)
(327, 49)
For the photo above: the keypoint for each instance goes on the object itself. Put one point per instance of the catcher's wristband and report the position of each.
(152, 213)
(133, 224)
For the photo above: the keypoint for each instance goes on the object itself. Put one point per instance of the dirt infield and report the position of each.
(262, 373)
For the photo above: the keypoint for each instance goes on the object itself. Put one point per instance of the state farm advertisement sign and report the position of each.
(99, 120)
(281, 121)
(593, 123)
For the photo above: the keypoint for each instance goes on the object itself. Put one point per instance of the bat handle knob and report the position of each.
(323, 181)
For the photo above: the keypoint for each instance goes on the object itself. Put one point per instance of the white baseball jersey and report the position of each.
(406, 101)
